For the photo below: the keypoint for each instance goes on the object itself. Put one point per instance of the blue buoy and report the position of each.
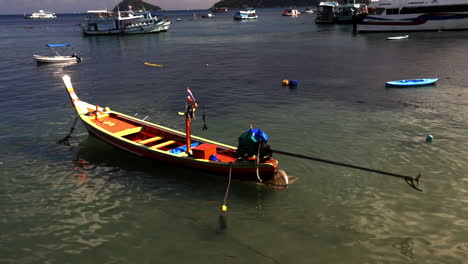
(292, 82)
(429, 138)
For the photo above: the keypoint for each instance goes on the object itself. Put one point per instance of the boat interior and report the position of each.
(156, 138)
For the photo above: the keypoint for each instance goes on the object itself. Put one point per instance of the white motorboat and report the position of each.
(290, 12)
(406, 15)
(58, 58)
(103, 22)
(245, 14)
(398, 37)
(41, 14)
(208, 16)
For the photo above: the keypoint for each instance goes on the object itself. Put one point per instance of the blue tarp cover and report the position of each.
(183, 148)
(57, 45)
(250, 140)
(258, 135)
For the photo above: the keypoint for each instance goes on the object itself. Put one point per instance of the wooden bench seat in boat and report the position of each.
(163, 144)
(127, 132)
(149, 140)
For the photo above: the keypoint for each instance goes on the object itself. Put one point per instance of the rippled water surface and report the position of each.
(91, 203)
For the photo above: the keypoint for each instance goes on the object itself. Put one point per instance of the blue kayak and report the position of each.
(415, 82)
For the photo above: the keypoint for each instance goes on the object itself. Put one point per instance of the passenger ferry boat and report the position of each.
(410, 15)
(103, 22)
(245, 14)
(326, 13)
(41, 14)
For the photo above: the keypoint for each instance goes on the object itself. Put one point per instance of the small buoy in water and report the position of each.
(292, 82)
(206, 65)
(285, 82)
(223, 208)
(429, 138)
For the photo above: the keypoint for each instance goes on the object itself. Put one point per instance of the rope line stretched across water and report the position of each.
(413, 182)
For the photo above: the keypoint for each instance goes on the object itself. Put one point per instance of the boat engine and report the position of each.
(78, 59)
(252, 143)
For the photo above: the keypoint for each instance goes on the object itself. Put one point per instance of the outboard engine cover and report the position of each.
(250, 142)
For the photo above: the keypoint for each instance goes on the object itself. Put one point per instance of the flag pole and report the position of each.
(189, 115)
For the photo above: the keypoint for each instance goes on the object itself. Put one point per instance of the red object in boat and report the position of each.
(204, 151)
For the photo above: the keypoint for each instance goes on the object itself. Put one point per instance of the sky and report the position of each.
(74, 6)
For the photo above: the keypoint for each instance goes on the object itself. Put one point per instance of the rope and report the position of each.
(68, 136)
(409, 180)
(257, 161)
(229, 184)
(203, 117)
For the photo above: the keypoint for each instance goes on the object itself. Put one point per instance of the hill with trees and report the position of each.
(135, 5)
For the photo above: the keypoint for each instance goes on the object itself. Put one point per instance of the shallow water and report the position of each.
(89, 202)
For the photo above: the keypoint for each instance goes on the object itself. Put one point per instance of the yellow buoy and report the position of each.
(223, 208)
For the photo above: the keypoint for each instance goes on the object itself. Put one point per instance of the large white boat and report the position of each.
(41, 14)
(103, 22)
(411, 15)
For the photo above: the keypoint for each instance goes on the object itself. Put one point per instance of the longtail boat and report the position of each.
(164, 144)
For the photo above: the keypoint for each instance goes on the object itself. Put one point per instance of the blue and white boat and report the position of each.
(406, 15)
(413, 82)
(103, 22)
(245, 14)
(59, 58)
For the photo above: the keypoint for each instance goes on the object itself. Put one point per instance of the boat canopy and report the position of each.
(57, 45)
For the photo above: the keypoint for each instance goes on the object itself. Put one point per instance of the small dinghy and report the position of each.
(58, 58)
(398, 37)
(414, 82)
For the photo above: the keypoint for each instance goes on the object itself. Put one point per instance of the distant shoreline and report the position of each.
(169, 10)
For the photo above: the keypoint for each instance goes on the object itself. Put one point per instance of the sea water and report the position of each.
(88, 202)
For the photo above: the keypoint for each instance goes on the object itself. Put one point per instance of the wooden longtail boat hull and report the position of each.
(157, 142)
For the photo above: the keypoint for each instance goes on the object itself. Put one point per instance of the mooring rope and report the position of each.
(222, 216)
(257, 161)
(229, 184)
(409, 180)
(68, 136)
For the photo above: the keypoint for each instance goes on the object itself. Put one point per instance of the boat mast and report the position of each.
(189, 115)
